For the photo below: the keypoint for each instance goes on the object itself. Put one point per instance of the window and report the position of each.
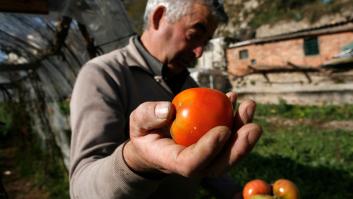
(253, 61)
(311, 46)
(243, 54)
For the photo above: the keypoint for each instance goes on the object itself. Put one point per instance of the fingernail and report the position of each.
(162, 110)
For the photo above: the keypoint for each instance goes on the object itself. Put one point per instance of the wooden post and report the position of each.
(25, 6)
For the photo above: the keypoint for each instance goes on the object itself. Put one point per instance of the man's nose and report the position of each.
(198, 51)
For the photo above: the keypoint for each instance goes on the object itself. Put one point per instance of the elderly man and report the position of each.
(120, 110)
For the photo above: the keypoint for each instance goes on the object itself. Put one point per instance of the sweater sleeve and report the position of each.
(99, 130)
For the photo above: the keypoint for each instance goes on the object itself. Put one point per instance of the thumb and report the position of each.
(150, 116)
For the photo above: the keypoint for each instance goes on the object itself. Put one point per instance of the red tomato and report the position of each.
(197, 111)
(256, 187)
(285, 189)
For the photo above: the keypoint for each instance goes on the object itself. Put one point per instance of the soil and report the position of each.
(344, 125)
(16, 186)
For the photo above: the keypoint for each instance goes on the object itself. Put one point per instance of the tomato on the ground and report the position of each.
(256, 187)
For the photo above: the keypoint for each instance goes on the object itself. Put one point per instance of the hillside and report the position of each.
(259, 18)
(250, 18)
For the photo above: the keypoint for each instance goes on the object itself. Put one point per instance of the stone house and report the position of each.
(213, 55)
(308, 48)
(210, 69)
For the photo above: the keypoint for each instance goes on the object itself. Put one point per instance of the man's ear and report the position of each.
(157, 16)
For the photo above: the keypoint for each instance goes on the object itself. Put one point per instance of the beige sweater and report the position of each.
(106, 91)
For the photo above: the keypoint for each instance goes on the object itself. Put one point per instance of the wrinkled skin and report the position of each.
(150, 149)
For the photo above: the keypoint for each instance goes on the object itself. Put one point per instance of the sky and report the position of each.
(3, 56)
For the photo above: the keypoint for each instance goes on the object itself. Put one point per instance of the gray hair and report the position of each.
(178, 8)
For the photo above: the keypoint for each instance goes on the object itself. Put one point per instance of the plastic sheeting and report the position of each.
(30, 66)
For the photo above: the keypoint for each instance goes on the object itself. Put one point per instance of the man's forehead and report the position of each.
(202, 17)
(201, 12)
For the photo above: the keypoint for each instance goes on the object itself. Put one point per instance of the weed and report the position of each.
(319, 161)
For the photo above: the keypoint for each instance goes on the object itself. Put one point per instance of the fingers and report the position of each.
(196, 157)
(242, 143)
(244, 114)
(149, 116)
(232, 97)
(173, 158)
(149, 150)
(247, 137)
(213, 153)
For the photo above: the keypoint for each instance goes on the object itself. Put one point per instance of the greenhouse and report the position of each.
(293, 58)
(42, 48)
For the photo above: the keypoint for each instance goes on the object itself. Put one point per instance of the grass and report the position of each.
(40, 168)
(45, 169)
(32, 160)
(13, 118)
(328, 112)
(319, 161)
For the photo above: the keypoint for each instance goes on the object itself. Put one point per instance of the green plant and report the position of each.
(65, 107)
(6, 119)
(274, 11)
(44, 167)
(318, 160)
(35, 161)
(313, 158)
(324, 113)
(14, 118)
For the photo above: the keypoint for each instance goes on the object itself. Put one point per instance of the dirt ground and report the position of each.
(344, 125)
(15, 185)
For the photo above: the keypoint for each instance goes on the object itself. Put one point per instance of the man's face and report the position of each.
(185, 39)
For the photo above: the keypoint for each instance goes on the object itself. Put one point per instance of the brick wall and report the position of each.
(285, 53)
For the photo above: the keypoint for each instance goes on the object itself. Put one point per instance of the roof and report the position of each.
(343, 26)
(40, 56)
(37, 43)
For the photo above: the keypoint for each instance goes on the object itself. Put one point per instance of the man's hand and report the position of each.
(151, 149)
(242, 141)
